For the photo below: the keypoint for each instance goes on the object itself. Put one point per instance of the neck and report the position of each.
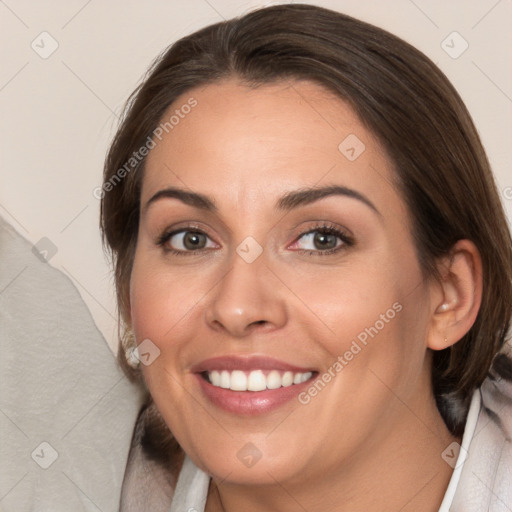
(399, 469)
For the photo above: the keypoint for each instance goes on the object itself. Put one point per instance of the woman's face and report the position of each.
(285, 326)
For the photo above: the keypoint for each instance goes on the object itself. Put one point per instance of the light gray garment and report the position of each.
(486, 481)
(60, 385)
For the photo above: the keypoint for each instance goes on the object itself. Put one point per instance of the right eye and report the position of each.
(184, 242)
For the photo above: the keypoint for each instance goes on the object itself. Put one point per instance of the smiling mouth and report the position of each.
(255, 380)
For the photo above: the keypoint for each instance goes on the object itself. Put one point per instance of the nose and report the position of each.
(247, 298)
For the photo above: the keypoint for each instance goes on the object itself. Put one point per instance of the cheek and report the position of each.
(347, 302)
(160, 301)
(375, 313)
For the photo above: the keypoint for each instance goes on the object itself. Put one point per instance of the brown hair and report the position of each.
(402, 97)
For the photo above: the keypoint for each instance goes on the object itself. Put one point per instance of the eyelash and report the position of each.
(323, 228)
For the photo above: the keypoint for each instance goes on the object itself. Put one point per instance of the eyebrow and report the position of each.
(306, 196)
(287, 202)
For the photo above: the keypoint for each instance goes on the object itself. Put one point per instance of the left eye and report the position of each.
(323, 240)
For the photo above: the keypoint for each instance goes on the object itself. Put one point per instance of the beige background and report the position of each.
(59, 112)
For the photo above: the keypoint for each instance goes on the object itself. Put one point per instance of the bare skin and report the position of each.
(372, 438)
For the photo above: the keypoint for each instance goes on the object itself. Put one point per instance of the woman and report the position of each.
(312, 257)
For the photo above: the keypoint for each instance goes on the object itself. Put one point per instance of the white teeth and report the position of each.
(287, 379)
(215, 378)
(305, 377)
(274, 380)
(256, 380)
(238, 381)
(224, 379)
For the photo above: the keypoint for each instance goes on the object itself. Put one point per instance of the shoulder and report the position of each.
(485, 478)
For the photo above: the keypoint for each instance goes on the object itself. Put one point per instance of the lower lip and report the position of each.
(250, 402)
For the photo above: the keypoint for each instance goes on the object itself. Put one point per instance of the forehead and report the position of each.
(272, 136)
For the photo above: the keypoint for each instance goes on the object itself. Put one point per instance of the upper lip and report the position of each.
(246, 363)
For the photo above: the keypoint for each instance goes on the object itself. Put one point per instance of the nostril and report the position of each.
(259, 322)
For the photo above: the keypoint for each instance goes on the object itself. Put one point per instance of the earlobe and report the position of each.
(456, 297)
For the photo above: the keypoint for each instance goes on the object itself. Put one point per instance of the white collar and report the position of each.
(191, 488)
(469, 431)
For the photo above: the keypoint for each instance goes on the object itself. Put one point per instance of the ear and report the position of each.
(456, 297)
